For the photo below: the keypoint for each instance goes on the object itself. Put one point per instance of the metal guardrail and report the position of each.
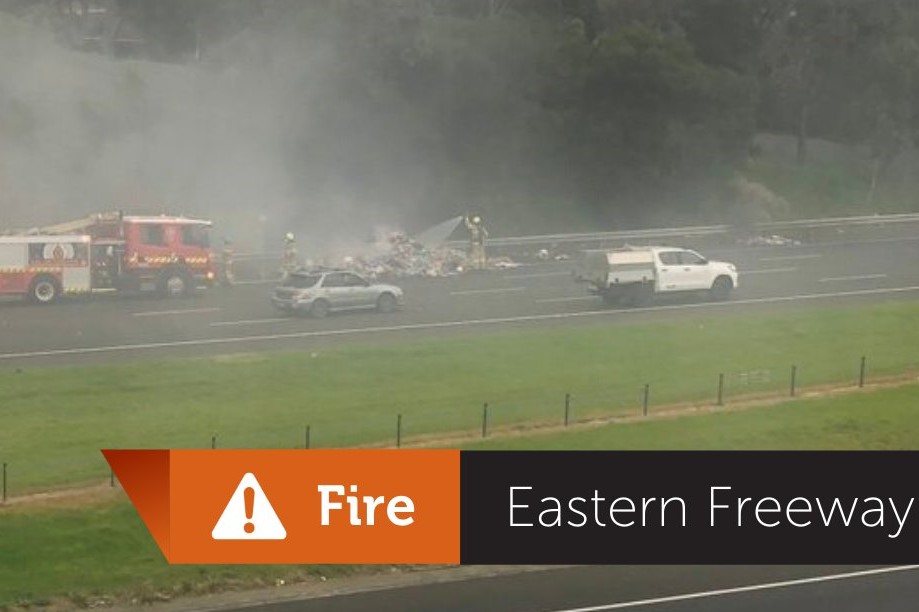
(662, 233)
(600, 236)
(703, 230)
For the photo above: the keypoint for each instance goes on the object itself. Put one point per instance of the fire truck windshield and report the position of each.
(195, 235)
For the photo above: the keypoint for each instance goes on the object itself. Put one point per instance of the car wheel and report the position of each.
(721, 289)
(386, 303)
(44, 290)
(319, 309)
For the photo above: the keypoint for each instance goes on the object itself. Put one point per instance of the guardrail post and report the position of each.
(398, 430)
(567, 407)
(644, 401)
(721, 389)
(485, 419)
(306, 436)
(861, 372)
(794, 376)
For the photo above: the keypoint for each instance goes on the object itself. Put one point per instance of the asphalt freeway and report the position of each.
(645, 588)
(109, 328)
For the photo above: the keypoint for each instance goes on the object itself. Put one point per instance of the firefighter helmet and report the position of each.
(289, 237)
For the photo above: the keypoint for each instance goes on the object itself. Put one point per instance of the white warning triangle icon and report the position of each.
(249, 515)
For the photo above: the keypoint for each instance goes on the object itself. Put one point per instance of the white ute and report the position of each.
(634, 275)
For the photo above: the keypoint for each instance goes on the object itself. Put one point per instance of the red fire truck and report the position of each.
(167, 254)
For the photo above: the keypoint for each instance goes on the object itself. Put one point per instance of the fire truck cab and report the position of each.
(170, 255)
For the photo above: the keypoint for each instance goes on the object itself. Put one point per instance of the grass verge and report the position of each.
(55, 420)
(885, 419)
(90, 557)
(103, 553)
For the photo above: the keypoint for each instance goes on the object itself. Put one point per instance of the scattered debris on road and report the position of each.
(395, 254)
(769, 241)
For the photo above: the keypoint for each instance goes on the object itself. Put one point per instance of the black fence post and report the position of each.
(567, 407)
(794, 376)
(111, 477)
(644, 400)
(4, 482)
(485, 419)
(213, 442)
(398, 430)
(721, 389)
(306, 441)
(861, 373)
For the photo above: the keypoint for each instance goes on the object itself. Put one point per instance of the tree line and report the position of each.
(610, 111)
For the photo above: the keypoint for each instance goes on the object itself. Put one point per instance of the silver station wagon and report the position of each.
(318, 293)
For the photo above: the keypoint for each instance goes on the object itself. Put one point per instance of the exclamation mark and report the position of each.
(249, 500)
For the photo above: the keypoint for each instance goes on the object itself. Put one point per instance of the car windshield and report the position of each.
(302, 281)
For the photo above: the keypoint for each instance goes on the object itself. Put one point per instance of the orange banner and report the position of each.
(296, 506)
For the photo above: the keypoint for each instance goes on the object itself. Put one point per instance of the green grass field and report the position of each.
(835, 180)
(46, 554)
(55, 420)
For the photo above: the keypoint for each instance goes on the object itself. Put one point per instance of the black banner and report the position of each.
(693, 507)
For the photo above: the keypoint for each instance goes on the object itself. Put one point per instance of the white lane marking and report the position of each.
(448, 324)
(266, 281)
(840, 279)
(537, 275)
(792, 257)
(157, 313)
(568, 299)
(478, 291)
(767, 271)
(744, 589)
(250, 322)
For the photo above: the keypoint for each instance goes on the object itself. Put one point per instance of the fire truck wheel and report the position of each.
(175, 284)
(44, 289)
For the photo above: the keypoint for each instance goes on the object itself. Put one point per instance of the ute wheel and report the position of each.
(721, 289)
(175, 284)
(386, 303)
(44, 290)
(319, 309)
(641, 294)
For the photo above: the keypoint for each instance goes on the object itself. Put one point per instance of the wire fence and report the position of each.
(517, 413)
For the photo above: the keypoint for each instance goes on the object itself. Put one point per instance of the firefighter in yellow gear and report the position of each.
(477, 236)
(289, 262)
(226, 264)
